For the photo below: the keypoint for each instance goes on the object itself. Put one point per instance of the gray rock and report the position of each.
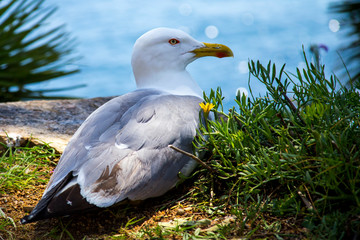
(49, 121)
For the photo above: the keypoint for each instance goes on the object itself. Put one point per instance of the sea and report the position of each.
(104, 33)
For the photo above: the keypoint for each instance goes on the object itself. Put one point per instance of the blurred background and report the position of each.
(102, 35)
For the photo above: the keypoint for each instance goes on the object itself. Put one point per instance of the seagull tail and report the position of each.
(58, 203)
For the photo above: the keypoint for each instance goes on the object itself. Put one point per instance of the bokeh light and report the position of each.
(242, 91)
(211, 31)
(243, 67)
(185, 9)
(334, 25)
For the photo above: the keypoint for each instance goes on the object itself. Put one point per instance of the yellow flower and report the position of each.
(206, 107)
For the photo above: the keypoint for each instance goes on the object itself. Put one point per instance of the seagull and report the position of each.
(121, 152)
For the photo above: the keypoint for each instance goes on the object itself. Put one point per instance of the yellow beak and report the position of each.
(214, 50)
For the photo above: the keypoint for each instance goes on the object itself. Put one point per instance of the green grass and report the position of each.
(25, 166)
(22, 168)
(282, 166)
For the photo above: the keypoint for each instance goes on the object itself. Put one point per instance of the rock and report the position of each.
(184, 222)
(49, 121)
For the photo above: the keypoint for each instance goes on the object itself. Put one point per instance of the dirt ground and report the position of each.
(91, 225)
(101, 224)
(111, 223)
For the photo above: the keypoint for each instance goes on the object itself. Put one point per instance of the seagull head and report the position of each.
(161, 55)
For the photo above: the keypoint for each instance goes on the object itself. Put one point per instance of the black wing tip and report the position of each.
(44, 215)
(33, 217)
(25, 220)
(68, 203)
(29, 219)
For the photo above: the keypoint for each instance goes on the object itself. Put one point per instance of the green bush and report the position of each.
(297, 148)
(28, 53)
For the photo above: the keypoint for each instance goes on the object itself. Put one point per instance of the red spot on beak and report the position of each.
(221, 54)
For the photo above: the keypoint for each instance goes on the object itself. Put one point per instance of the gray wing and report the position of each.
(121, 151)
(88, 134)
(133, 160)
(90, 146)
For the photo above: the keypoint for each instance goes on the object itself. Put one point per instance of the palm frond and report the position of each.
(28, 54)
(349, 11)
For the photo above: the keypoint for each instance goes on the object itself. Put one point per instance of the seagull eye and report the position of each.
(174, 41)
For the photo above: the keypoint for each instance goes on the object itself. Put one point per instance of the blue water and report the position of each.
(105, 32)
